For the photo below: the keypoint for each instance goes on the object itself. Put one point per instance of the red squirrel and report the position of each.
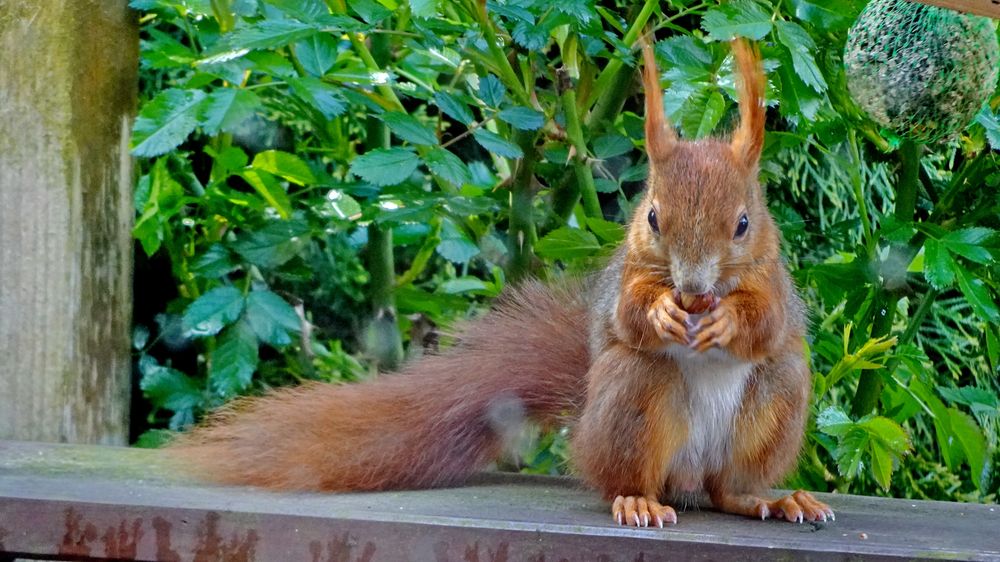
(680, 367)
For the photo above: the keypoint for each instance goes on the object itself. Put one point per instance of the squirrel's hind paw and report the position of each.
(639, 511)
(796, 507)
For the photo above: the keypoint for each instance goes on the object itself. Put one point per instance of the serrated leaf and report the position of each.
(317, 54)
(523, 118)
(455, 245)
(685, 51)
(370, 11)
(834, 421)
(270, 189)
(425, 9)
(611, 145)
(973, 443)
(978, 295)
(409, 128)
(567, 243)
(828, 14)
(701, 113)
(234, 360)
(939, 267)
(797, 98)
(227, 108)
(801, 47)
(214, 263)
(881, 464)
(989, 121)
(968, 243)
(491, 90)
(739, 18)
(166, 121)
(609, 232)
(448, 167)
(604, 185)
(497, 144)
(385, 166)
(284, 165)
(888, 433)
(453, 108)
(271, 318)
(212, 311)
(274, 244)
(324, 97)
(166, 387)
(269, 34)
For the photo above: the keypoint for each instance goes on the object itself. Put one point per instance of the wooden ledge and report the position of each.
(95, 503)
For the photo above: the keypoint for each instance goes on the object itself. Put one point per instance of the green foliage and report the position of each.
(309, 166)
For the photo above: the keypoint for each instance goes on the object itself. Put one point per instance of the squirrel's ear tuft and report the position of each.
(748, 140)
(660, 137)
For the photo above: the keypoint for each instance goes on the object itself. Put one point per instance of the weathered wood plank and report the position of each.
(990, 8)
(69, 72)
(87, 503)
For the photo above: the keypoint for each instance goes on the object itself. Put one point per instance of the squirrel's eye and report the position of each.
(652, 221)
(742, 226)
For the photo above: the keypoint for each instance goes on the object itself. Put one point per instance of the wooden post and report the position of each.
(68, 75)
(989, 8)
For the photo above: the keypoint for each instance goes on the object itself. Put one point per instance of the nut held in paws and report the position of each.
(696, 304)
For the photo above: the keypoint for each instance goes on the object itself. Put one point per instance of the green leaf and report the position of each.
(978, 295)
(989, 121)
(409, 128)
(166, 121)
(467, 284)
(285, 165)
(801, 47)
(453, 108)
(523, 118)
(271, 318)
(270, 189)
(274, 244)
(455, 245)
(609, 232)
(828, 14)
(567, 243)
(214, 263)
(324, 97)
(385, 166)
(973, 444)
(269, 34)
(370, 11)
(611, 145)
(969, 242)
(881, 465)
(425, 9)
(448, 167)
(834, 421)
(685, 51)
(739, 18)
(497, 144)
(939, 267)
(168, 388)
(491, 90)
(227, 108)
(212, 311)
(234, 360)
(797, 98)
(701, 113)
(317, 54)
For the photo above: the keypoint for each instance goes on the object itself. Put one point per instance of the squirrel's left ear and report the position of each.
(748, 140)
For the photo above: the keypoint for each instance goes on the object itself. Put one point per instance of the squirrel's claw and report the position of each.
(716, 329)
(669, 320)
(638, 511)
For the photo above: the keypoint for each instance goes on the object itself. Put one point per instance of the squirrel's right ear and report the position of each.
(660, 136)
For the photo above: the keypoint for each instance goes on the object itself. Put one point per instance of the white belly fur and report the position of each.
(715, 382)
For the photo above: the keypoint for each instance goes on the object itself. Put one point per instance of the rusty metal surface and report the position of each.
(88, 503)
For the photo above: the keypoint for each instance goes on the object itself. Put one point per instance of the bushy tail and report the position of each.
(439, 419)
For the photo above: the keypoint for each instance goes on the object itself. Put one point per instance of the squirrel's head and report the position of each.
(703, 213)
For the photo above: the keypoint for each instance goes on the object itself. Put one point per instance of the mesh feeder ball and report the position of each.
(921, 71)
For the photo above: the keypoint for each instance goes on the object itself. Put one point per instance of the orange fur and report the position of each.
(435, 422)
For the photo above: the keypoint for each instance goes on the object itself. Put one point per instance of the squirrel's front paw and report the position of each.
(669, 320)
(715, 329)
(641, 511)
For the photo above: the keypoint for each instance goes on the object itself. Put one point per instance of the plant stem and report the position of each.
(499, 58)
(870, 384)
(386, 343)
(522, 234)
(609, 76)
(584, 175)
(858, 188)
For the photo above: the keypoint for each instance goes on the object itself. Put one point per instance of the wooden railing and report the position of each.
(102, 503)
(989, 8)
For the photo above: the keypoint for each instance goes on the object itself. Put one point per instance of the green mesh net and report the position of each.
(921, 71)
